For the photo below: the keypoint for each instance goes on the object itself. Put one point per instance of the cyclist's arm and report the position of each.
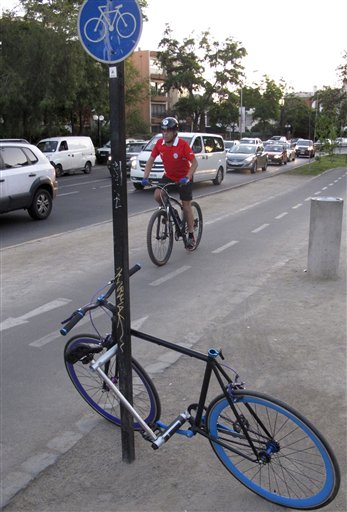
(193, 167)
(148, 167)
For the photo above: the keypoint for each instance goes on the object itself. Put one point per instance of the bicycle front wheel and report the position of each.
(99, 396)
(159, 238)
(292, 466)
(198, 223)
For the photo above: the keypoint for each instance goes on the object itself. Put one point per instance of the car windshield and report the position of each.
(134, 147)
(304, 142)
(154, 139)
(48, 146)
(245, 149)
(274, 148)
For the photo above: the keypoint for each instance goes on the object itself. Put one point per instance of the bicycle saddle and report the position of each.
(82, 350)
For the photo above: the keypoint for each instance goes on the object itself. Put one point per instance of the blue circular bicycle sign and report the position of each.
(109, 30)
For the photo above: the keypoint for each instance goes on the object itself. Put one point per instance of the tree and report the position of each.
(186, 64)
(267, 108)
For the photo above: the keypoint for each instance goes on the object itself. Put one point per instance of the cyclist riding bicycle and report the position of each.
(179, 165)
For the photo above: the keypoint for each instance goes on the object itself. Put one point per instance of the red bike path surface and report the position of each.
(290, 333)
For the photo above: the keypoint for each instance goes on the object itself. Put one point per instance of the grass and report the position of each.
(321, 164)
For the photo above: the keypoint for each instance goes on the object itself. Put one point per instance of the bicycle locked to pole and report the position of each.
(168, 223)
(269, 447)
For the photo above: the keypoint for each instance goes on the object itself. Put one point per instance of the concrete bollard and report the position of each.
(325, 236)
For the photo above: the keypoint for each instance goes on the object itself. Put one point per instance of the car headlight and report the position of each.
(133, 162)
(248, 159)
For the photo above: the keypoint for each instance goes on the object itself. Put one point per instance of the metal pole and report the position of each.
(121, 319)
(241, 107)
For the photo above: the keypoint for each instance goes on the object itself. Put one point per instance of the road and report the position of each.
(248, 232)
(76, 194)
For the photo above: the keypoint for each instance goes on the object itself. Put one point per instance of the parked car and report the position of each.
(305, 147)
(247, 156)
(277, 153)
(279, 138)
(209, 152)
(228, 144)
(27, 180)
(23, 141)
(69, 153)
(132, 149)
(341, 141)
(102, 154)
(251, 140)
(290, 148)
(322, 145)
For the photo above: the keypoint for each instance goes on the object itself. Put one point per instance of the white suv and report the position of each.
(27, 180)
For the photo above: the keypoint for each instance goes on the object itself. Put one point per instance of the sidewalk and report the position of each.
(300, 345)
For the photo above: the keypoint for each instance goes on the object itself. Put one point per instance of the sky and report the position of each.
(301, 41)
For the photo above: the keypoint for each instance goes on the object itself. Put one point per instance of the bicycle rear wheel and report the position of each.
(159, 238)
(198, 223)
(293, 467)
(99, 396)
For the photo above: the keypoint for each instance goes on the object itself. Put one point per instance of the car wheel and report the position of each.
(254, 168)
(41, 206)
(59, 170)
(138, 186)
(219, 177)
(87, 168)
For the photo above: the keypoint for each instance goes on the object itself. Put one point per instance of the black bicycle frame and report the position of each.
(212, 366)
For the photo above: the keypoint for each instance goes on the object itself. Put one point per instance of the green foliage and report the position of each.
(185, 64)
(321, 164)
(49, 85)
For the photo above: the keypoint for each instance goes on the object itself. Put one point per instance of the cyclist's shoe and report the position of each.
(190, 245)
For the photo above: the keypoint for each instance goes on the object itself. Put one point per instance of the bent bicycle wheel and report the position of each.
(159, 238)
(99, 396)
(198, 223)
(293, 465)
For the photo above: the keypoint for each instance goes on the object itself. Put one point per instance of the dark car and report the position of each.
(132, 149)
(246, 156)
(305, 147)
(277, 153)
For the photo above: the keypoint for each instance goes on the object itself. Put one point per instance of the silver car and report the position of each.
(247, 156)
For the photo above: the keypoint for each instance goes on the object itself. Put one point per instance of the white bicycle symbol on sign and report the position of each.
(124, 23)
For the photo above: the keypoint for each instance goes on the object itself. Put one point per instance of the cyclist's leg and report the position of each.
(293, 466)
(159, 195)
(96, 393)
(186, 196)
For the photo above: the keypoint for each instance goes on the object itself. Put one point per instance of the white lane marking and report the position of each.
(324, 188)
(316, 193)
(67, 194)
(263, 226)
(308, 198)
(226, 246)
(169, 276)
(55, 334)
(222, 217)
(296, 206)
(283, 214)
(13, 322)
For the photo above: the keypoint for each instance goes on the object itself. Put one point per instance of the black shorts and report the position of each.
(185, 191)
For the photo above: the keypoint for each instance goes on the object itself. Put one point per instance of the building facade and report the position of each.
(159, 103)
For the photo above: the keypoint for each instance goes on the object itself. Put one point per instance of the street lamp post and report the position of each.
(99, 119)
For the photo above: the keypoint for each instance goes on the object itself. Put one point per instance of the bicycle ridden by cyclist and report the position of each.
(179, 166)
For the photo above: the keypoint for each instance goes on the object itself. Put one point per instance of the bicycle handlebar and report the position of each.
(102, 299)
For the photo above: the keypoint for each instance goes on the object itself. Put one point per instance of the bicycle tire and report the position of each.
(302, 474)
(159, 238)
(94, 391)
(198, 224)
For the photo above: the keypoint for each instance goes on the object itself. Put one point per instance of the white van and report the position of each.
(209, 152)
(68, 154)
